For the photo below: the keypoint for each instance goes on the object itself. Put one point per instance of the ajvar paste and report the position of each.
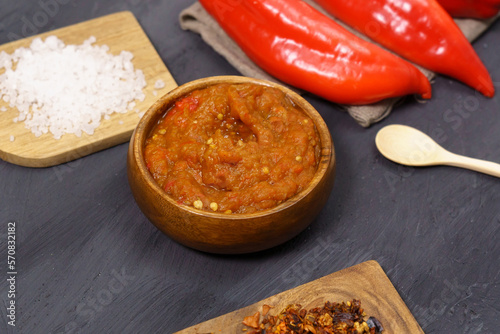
(233, 148)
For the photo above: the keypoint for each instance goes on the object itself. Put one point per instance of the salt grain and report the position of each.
(159, 84)
(3, 109)
(62, 88)
(12, 138)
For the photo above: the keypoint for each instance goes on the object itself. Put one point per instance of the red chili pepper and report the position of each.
(303, 47)
(476, 9)
(418, 30)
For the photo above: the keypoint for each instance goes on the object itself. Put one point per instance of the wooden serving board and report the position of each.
(120, 31)
(366, 282)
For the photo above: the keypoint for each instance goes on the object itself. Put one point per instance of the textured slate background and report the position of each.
(90, 262)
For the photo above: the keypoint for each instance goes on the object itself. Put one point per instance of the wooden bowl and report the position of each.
(227, 233)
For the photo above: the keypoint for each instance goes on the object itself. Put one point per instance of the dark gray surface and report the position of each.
(88, 261)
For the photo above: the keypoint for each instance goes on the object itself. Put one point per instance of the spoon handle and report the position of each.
(483, 166)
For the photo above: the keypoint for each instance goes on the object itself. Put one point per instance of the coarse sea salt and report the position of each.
(159, 84)
(62, 88)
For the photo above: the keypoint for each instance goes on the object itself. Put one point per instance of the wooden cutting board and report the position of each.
(120, 31)
(366, 282)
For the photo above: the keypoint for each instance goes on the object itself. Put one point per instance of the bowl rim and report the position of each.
(161, 106)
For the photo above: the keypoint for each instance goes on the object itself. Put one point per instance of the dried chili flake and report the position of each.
(265, 309)
(252, 321)
(332, 318)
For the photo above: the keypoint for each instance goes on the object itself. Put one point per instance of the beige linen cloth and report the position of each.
(196, 19)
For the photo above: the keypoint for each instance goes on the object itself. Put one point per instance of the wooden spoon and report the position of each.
(409, 146)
